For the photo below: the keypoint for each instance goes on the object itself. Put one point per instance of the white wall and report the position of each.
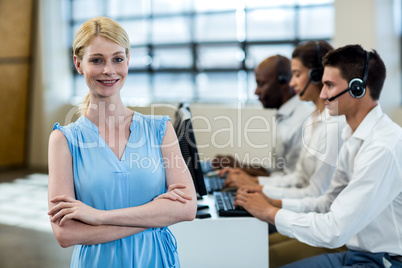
(367, 22)
(370, 23)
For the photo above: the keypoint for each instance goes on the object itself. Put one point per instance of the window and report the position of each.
(203, 50)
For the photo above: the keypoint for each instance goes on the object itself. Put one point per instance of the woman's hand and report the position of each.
(175, 194)
(68, 208)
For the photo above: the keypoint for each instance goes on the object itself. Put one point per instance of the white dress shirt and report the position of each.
(322, 139)
(287, 137)
(363, 207)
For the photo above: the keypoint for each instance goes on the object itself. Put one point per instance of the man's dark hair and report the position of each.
(351, 62)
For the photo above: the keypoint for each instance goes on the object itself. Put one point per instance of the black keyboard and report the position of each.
(224, 205)
(214, 183)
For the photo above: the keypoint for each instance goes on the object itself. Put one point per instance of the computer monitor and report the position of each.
(188, 146)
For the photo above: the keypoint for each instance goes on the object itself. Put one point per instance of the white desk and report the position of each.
(200, 242)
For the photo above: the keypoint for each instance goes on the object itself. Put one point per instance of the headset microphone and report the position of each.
(305, 87)
(340, 94)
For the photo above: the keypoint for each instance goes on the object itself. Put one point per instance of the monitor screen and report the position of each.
(188, 147)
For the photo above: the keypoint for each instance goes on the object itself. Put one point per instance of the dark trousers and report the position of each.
(271, 228)
(348, 258)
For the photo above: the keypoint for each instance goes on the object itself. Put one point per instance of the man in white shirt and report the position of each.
(316, 164)
(273, 91)
(362, 208)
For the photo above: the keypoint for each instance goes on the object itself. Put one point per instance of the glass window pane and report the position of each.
(171, 30)
(81, 88)
(258, 53)
(86, 9)
(139, 58)
(173, 86)
(270, 24)
(177, 57)
(251, 87)
(124, 8)
(212, 5)
(269, 3)
(397, 17)
(169, 6)
(316, 22)
(137, 88)
(220, 86)
(219, 56)
(314, 2)
(137, 31)
(216, 27)
(76, 26)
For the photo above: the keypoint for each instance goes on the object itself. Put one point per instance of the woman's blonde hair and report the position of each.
(98, 26)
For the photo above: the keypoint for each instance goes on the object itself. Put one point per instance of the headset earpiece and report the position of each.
(357, 89)
(282, 78)
(315, 74)
(357, 86)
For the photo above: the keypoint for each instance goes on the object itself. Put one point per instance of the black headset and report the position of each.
(357, 86)
(283, 77)
(315, 74)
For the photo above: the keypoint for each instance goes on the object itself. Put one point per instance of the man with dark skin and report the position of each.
(272, 76)
(271, 92)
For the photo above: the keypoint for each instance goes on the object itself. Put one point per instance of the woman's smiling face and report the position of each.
(104, 66)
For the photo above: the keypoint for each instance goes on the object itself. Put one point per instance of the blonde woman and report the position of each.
(117, 178)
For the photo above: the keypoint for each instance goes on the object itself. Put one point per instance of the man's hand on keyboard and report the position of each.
(258, 189)
(252, 189)
(256, 204)
(238, 178)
